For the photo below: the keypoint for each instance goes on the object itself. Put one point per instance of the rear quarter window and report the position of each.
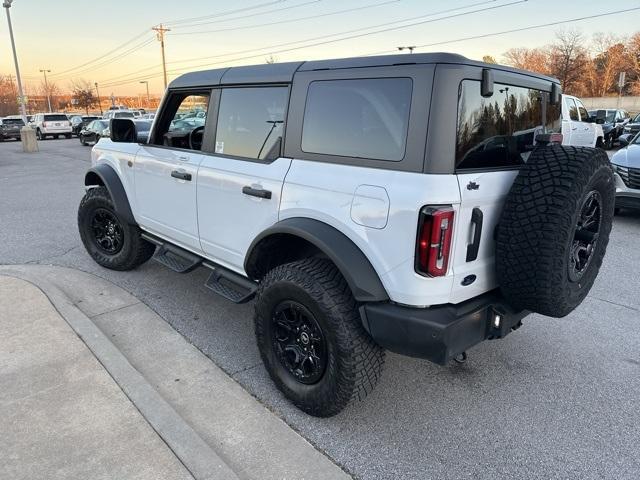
(500, 130)
(56, 118)
(361, 118)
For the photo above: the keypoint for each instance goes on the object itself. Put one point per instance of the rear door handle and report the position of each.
(181, 175)
(473, 247)
(256, 192)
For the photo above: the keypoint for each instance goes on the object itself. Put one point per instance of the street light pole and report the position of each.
(23, 111)
(148, 99)
(46, 86)
(98, 92)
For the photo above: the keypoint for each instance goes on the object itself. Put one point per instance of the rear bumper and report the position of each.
(10, 134)
(442, 332)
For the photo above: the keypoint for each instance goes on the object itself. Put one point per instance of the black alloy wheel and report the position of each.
(298, 342)
(586, 235)
(107, 231)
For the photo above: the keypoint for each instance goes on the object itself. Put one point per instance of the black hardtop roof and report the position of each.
(284, 72)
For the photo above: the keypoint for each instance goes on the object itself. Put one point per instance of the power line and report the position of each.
(101, 57)
(269, 49)
(522, 29)
(222, 14)
(304, 4)
(279, 22)
(310, 39)
(347, 32)
(108, 61)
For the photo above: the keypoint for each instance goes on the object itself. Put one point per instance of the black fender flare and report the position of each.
(110, 179)
(352, 263)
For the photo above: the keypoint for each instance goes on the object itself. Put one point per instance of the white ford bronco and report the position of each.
(419, 204)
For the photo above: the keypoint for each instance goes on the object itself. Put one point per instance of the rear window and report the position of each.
(12, 121)
(500, 131)
(56, 118)
(123, 115)
(362, 118)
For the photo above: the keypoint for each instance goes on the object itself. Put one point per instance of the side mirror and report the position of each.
(122, 130)
(486, 88)
(556, 93)
(625, 139)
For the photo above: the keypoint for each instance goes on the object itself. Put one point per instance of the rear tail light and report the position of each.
(44, 124)
(433, 245)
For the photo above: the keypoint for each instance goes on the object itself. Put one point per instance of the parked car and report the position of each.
(10, 127)
(633, 126)
(626, 164)
(93, 131)
(119, 114)
(350, 198)
(148, 116)
(578, 127)
(51, 125)
(612, 121)
(79, 122)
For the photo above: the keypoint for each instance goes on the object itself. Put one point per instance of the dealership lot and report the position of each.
(556, 399)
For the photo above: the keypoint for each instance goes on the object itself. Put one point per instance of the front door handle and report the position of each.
(473, 247)
(256, 192)
(181, 175)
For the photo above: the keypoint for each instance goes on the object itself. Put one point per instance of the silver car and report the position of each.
(626, 163)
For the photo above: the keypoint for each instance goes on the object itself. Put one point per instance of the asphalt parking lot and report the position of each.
(555, 399)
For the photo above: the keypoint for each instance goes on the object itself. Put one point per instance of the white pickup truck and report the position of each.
(578, 127)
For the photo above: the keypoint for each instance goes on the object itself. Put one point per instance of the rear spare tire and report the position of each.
(554, 229)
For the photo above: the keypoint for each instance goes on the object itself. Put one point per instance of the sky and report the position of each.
(112, 43)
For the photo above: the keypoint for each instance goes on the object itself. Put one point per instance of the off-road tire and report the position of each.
(536, 232)
(135, 250)
(354, 361)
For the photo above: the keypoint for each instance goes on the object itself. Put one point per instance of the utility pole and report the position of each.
(7, 5)
(46, 86)
(146, 82)
(160, 31)
(99, 104)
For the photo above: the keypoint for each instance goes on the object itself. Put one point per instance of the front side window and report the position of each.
(251, 122)
(183, 121)
(362, 118)
(500, 130)
(573, 110)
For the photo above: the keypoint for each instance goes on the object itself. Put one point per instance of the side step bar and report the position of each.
(224, 282)
(229, 284)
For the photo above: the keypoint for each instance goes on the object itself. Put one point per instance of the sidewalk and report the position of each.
(94, 384)
(63, 415)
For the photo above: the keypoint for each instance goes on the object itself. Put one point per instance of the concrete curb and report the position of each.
(195, 454)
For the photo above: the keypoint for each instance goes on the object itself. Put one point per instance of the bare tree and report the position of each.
(568, 60)
(488, 59)
(82, 94)
(271, 59)
(534, 59)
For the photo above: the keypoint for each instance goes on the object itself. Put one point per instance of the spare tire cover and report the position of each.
(554, 229)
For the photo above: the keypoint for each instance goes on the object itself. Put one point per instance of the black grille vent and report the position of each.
(630, 176)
